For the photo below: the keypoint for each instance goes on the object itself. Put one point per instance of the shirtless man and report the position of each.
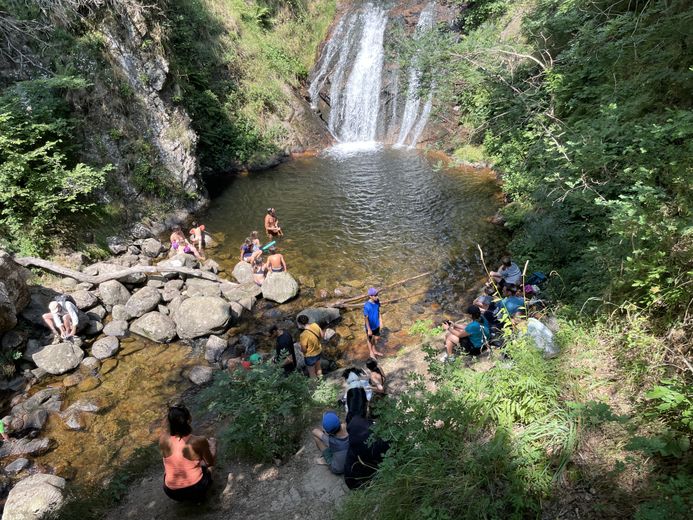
(275, 261)
(272, 224)
(197, 237)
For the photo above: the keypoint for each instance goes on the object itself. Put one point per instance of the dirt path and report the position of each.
(300, 488)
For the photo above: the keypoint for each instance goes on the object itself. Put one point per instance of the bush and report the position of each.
(267, 413)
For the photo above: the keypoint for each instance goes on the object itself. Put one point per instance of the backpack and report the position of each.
(537, 278)
(64, 298)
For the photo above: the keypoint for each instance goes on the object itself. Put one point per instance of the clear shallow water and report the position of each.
(367, 215)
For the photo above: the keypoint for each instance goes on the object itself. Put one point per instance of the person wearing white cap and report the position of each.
(373, 320)
(62, 318)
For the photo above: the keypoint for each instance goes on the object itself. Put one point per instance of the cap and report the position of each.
(331, 422)
(255, 358)
(53, 306)
(372, 291)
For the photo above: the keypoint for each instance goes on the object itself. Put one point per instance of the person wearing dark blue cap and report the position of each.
(332, 441)
(373, 320)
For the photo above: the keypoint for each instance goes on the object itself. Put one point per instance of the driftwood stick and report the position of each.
(29, 261)
(393, 300)
(343, 303)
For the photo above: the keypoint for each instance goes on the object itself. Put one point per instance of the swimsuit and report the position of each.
(277, 269)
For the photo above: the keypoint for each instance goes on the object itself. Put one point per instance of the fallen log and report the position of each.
(29, 261)
(393, 300)
(345, 303)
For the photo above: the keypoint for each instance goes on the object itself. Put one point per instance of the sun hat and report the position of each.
(372, 291)
(331, 422)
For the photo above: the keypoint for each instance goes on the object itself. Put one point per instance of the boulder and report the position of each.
(83, 405)
(108, 365)
(73, 421)
(90, 365)
(50, 399)
(117, 328)
(105, 347)
(151, 247)
(202, 316)
(118, 313)
(116, 245)
(279, 287)
(140, 231)
(73, 379)
(107, 267)
(201, 375)
(200, 287)
(143, 301)
(113, 293)
(174, 285)
(236, 311)
(84, 299)
(97, 313)
(210, 266)
(59, 358)
(26, 446)
(320, 315)
(174, 304)
(243, 272)
(93, 328)
(215, 348)
(155, 326)
(234, 292)
(156, 283)
(13, 340)
(180, 260)
(36, 419)
(35, 497)
(169, 294)
(543, 338)
(14, 291)
(163, 310)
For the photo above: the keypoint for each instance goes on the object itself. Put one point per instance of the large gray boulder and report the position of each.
(155, 326)
(215, 348)
(84, 299)
(105, 347)
(151, 247)
(35, 497)
(143, 301)
(200, 287)
(320, 315)
(243, 272)
(117, 328)
(201, 375)
(113, 293)
(180, 260)
(279, 287)
(202, 316)
(14, 291)
(245, 294)
(59, 358)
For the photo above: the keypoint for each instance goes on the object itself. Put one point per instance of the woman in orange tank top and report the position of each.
(188, 459)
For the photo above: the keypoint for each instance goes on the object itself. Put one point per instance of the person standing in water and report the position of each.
(272, 224)
(188, 459)
(197, 237)
(373, 321)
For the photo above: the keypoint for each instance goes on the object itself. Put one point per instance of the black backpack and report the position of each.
(64, 298)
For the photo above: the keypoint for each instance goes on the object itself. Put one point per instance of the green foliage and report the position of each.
(477, 447)
(326, 393)
(673, 499)
(469, 153)
(266, 412)
(668, 444)
(424, 328)
(42, 181)
(479, 11)
(673, 401)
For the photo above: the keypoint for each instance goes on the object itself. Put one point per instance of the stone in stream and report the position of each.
(200, 287)
(143, 301)
(117, 328)
(108, 365)
(214, 348)
(210, 266)
(17, 466)
(35, 497)
(118, 313)
(88, 383)
(243, 272)
(202, 316)
(73, 421)
(73, 380)
(113, 293)
(83, 405)
(59, 358)
(151, 247)
(200, 374)
(105, 347)
(84, 299)
(155, 326)
(26, 446)
(156, 283)
(36, 419)
(320, 315)
(50, 399)
(279, 287)
(90, 364)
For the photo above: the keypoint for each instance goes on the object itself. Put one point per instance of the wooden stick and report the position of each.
(365, 295)
(29, 261)
(393, 300)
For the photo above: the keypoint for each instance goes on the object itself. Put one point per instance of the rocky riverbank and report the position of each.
(161, 307)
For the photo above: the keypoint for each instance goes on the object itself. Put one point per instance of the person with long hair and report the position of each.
(377, 377)
(188, 459)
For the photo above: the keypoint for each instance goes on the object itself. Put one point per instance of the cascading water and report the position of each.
(412, 119)
(357, 91)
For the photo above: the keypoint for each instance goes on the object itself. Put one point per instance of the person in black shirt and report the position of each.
(285, 354)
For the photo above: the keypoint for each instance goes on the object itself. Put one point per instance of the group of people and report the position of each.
(489, 316)
(252, 250)
(194, 244)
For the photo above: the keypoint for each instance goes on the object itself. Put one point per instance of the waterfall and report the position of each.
(413, 102)
(357, 95)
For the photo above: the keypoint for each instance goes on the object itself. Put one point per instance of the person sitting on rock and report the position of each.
(332, 441)
(247, 251)
(511, 305)
(62, 319)
(180, 244)
(188, 459)
(259, 273)
(508, 273)
(197, 237)
(257, 247)
(275, 261)
(470, 337)
(272, 224)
